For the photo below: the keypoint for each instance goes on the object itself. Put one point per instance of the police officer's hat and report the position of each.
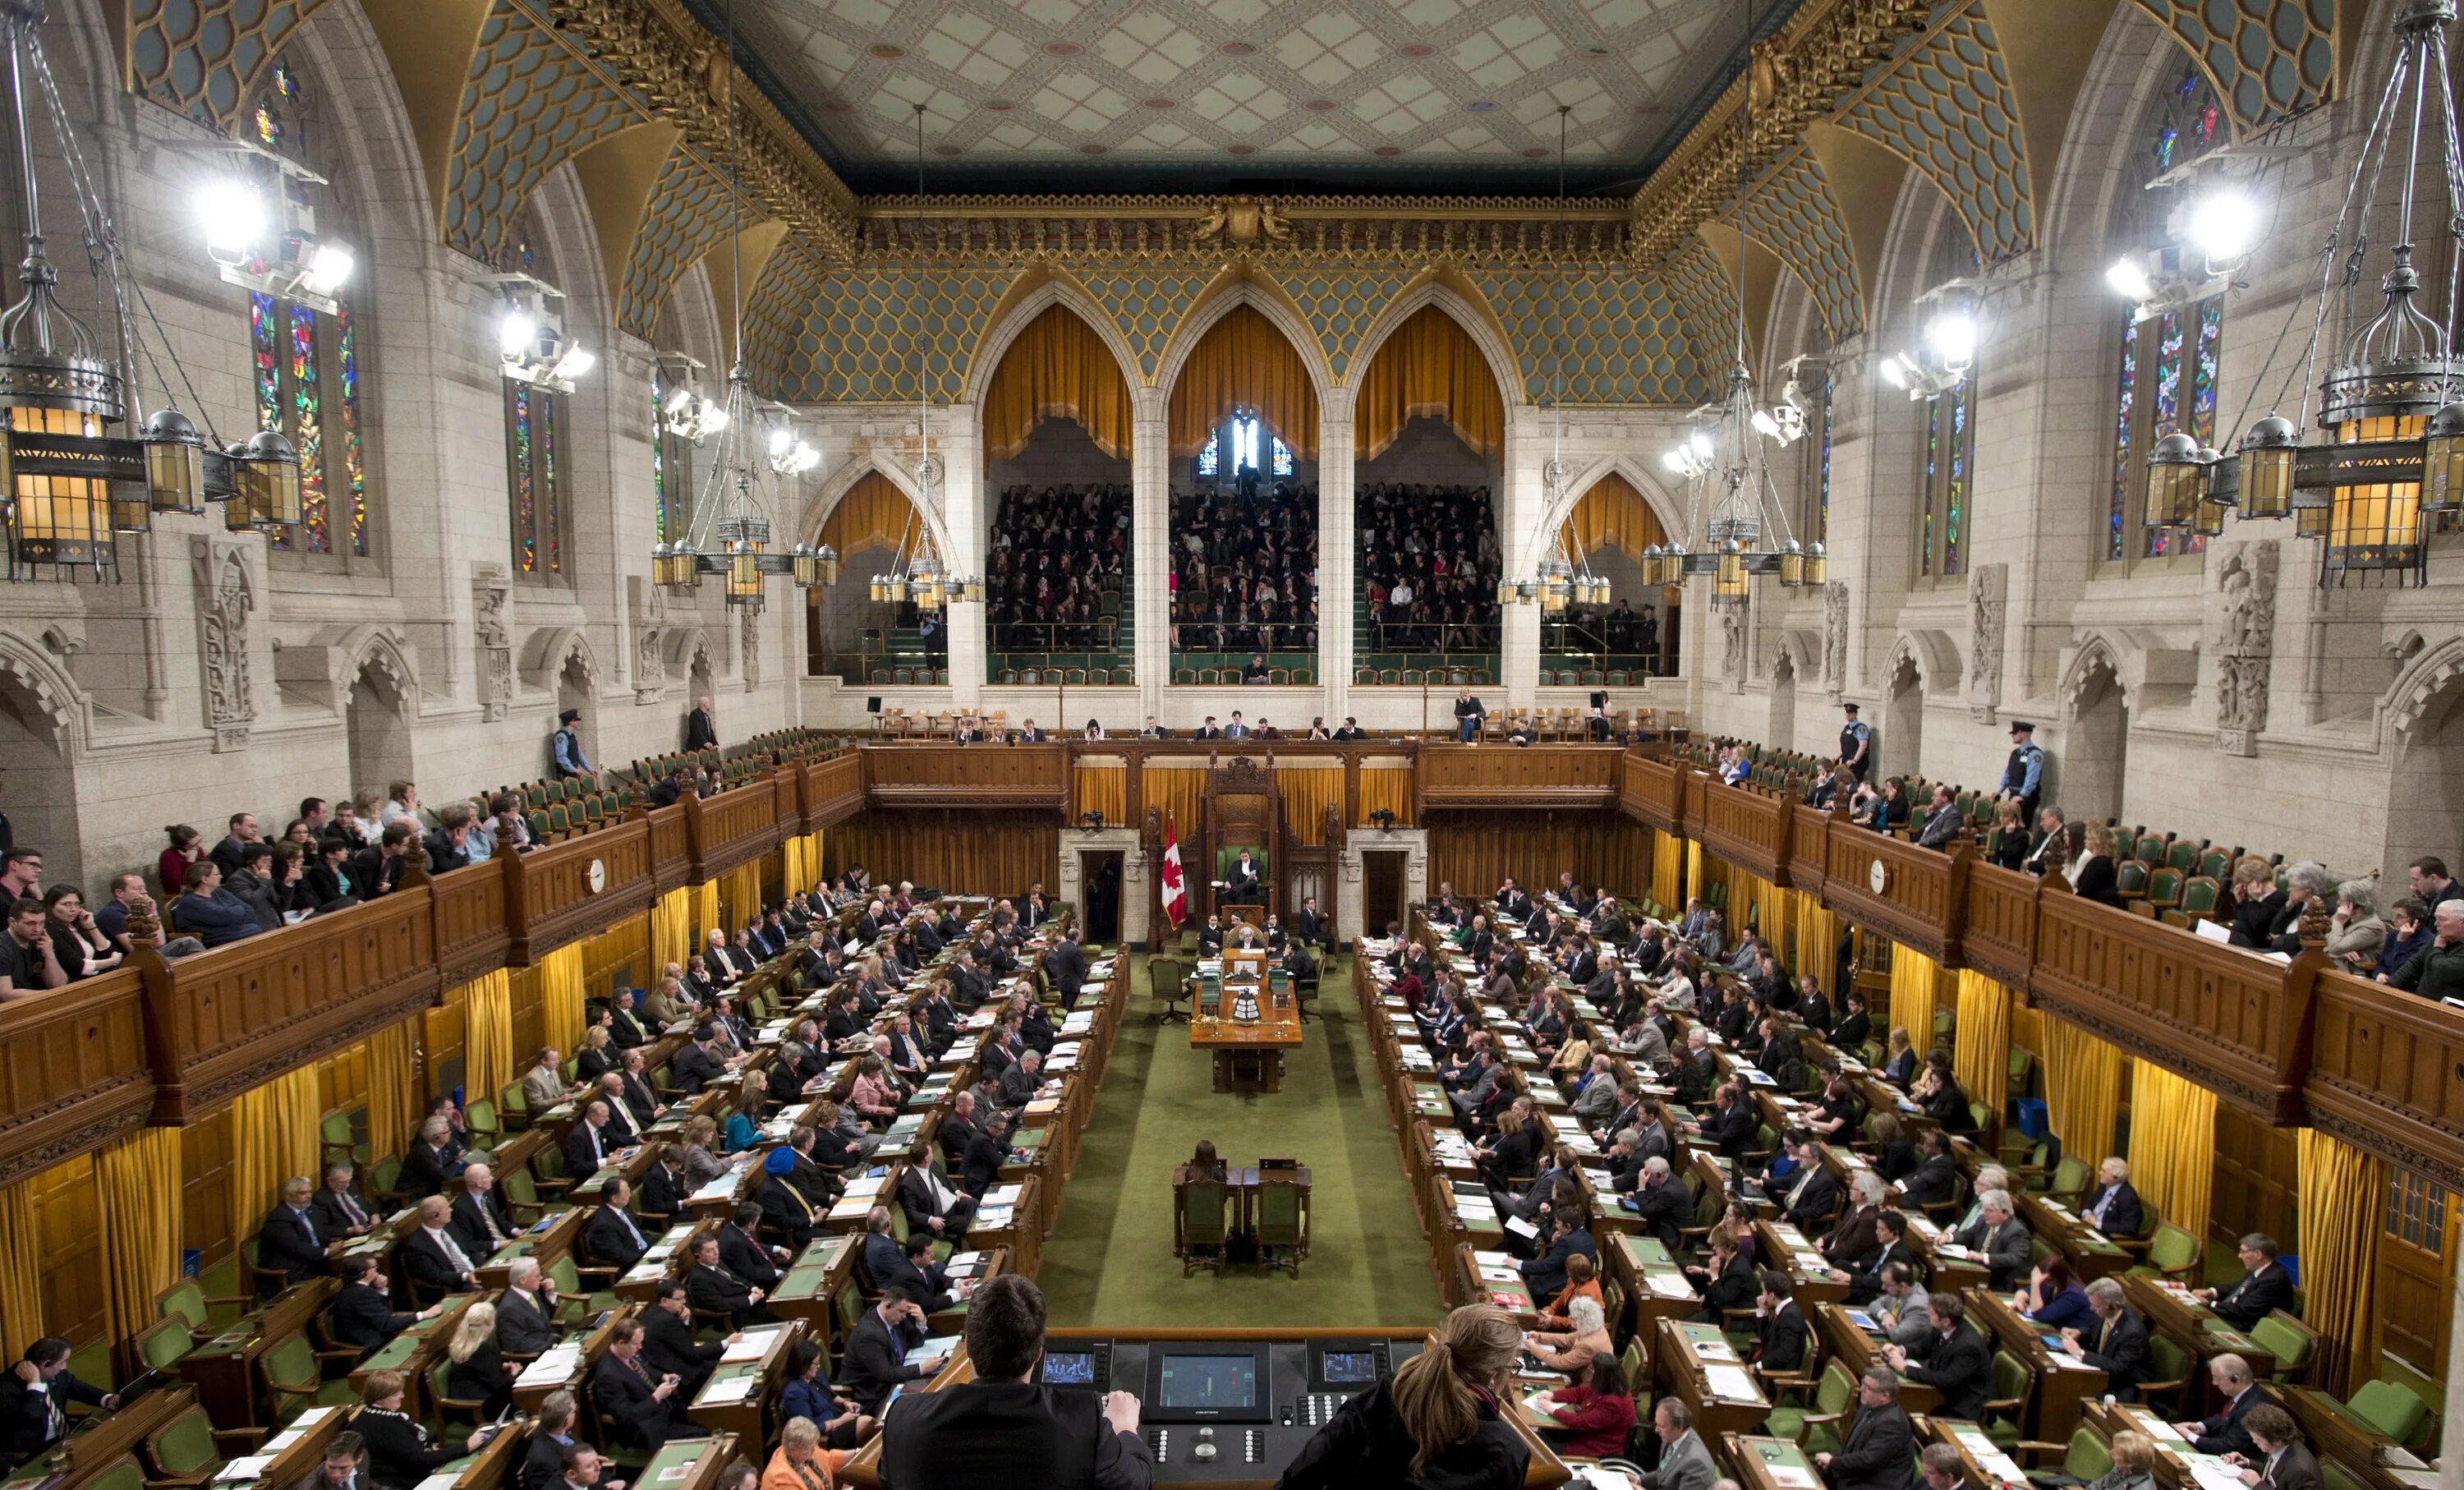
(2022, 726)
(1851, 708)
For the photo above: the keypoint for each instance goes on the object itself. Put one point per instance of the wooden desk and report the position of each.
(1686, 1355)
(486, 1470)
(1779, 1245)
(1987, 1467)
(415, 1350)
(224, 1369)
(546, 1242)
(1857, 1351)
(1653, 1282)
(1768, 1463)
(1943, 1271)
(2063, 1382)
(671, 1256)
(808, 1290)
(2194, 1327)
(298, 1448)
(1021, 1233)
(746, 1416)
(692, 1465)
(2090, 1252)
(2371, 1456)
(540, 1377)
(1249, 1055)
(73, 1461)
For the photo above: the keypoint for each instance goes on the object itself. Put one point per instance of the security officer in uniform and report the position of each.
(2023, 777)
(1856, 743)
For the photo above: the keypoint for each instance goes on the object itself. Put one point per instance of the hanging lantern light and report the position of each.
(1817, 564)
(1792, 564)
(1729, 577)
(745, 582)
(2267, 456)
(2175, 481)
(2442, 461)
(2206, 510)
(175, 464)
(56, 518)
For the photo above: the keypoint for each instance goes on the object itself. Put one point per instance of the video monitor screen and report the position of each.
(1209, 1383)
(1073, 1369)
(1350, 1367)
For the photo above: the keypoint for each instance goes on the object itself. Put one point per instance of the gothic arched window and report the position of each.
(534, 494)
(305, 359)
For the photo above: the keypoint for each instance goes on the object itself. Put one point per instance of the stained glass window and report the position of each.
(305, 357)
(1814, 453)
(2125, 408)
(1283, 456)
(530, 464)
(1210, 456)
(1949, 456)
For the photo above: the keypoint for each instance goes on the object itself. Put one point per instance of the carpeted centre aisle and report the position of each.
(1110, 1261)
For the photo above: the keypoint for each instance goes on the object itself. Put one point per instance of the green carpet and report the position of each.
(1110, 1262)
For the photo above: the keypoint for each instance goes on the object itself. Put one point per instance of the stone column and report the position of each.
(965, 513)
(1338, 583)
(1151, 547)
(1521, 507)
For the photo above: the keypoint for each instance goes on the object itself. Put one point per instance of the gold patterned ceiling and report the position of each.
(1102, 95)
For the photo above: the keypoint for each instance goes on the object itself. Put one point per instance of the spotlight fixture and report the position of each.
(531, 342)
(258, 220)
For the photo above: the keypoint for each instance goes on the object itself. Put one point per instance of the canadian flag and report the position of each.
(1175, 894)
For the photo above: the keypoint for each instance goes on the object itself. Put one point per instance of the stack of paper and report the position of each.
(554, 1366)
(736, 1389)
(751, 1346)
(1731, 1384)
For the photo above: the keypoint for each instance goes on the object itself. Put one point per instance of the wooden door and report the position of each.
(2416, 1280)
(1381, 890)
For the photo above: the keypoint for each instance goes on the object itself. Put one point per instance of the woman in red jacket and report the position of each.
(1598, 1415)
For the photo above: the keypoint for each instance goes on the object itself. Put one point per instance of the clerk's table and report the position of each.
(1248, 1051)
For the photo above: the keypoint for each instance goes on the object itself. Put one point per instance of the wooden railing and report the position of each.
(967, 775)
(1490, 776)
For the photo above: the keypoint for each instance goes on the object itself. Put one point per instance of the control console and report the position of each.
(1225, 1410)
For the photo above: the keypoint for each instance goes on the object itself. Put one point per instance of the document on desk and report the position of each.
(253, 1467)
(751, 1347)
(938, 1345)
(1729, 1383)
(1789, 1477)
(1003, 1196)
(1520, 1227)
(1669, 1285)
(736, 1389)
(554, 1367)
(1714, 1350)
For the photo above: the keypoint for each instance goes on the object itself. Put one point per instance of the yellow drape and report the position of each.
(671, 926)
(705, 916)
(1751, 899)
(739, 894)
(2342, 1204)
(1817, 939)
(1104, 789)
(393, 1087)
(1611, 514)
(1913, 980)
(1389, 787)
(1693, 871)
(1430, 368)
(2172, 1145)
(274, 1137)
(1667, 869)
(1242, 362)
(1306, 795)
(561, 996)
(874, 514)
(1179, 795)
(2082, 1088)
(141, 1220)
(792, 868)
(21, 1270)
(487, 1033)
(2028, 1029)
(1057, 368)
(1980, 1055)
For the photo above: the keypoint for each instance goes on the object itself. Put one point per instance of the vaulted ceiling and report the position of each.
(1200, 95)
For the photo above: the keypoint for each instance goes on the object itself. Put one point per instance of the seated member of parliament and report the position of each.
(1003, 1428)
(1438, 1422)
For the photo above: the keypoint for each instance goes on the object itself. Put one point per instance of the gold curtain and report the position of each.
(561, 996)
(794, 869)
(1104, 789)
(1980, 1054)
(740, 895)
(1913, 980)
(874, 514)
(1179, 795)
(137, 1178)
(2082, 1088)
(672, 927)
(2172, 1145)
(487, 1033)
(1693, 871)
(1307, 792)
(705, 904)
(273, 1136)
(1389, 787)
(1817, 935)
(1667, 867)
(21, 1267)
(1242, 362)
(1430, 368)
(1057, 368)
(2028, 1028)
(1611, 514)
(2342, 1204)
(393, 1087)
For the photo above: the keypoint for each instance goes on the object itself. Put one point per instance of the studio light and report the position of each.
(2224, 226)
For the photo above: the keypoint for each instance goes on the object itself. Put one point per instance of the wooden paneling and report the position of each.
(831, 791)
(74, 1072)
(735, 826)
(207, 1150)
(1919, 900)
(1809, 846)
(549, 896)
(969, 853)
(1542, 775)
(1747, 827)
(2229, 1020)
(2255, 1164)
(1477, 850)
(671, 848)
(2000, 936)
(2387, 1074)
(67, 1204)
(965, 775)
(1654, 791)
(472, 930)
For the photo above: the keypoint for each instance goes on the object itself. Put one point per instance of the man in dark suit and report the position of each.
(612, 1236)
(1935, 1180)
(1312, 929)
(2264, 1287)
(741, 1253)
(1065, 965)
(667, 1344)
(959, 1129)
(2004, 1240)
(362, 1315)
(1890, 1245)
(641, 1099)
(635, 1403)
(714, 1290)
(290, 1240)
(590, 1142)
(2283, 1461)
(1781, 1346)
(1879, 1442)
(700, 733)
(1546, 1275)
(2117, 1345)
(1018, 1083)
(988, 1151)
(623, 1026)
(912, 1270)
(1661, 1202)
(2224, 1432)
(2113, 1206)
(33, 1409)
(432, 1256)
(877, 1354)
(783, 1206)
(1852, 1244)
(934, 1206)
(663, 1191)
(526, 1310)
(1953, 1358)
(1035, 907)
(1812, 1196)
(1003, 1428)
(434, 1158)
(695, 1066)
(338, 1206)
(479, 1216)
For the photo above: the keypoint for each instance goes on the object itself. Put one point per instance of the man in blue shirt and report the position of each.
(2023, 777)
(1856, 743)
(566, 743)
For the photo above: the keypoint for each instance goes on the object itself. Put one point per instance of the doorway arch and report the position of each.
(2096, 746)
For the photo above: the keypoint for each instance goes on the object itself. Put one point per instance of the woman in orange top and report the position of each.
(798, 1465)
(1582, 1282)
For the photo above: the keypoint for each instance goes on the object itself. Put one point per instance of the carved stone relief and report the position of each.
(648, 605)
(2245, 644)
(1834, 636)
(231, 594)
(1987, 587)
(493, 636)
(1732, 648)
(750, 645)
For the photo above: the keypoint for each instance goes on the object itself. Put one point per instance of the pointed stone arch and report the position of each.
(2431, 671)
(827, 498)
(1533, 545)
(1029, 297)
(1463, 303)
(1238, 284)
(44, 721)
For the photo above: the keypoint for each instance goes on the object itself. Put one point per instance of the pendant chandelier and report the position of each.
(729, 534)
(69, 488)
(1565, 577)
(2387, 453)
(1733, 507)
(921, 576)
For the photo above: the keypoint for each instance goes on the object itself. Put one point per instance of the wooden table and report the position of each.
(1986, 1465)
(298, 1448)
(74, 1460)
(416, 1348)
(808, 1290)
(532, 1386)
(1023, 1235)
(691, 1464)
(224, 1369)
(2194, 1327)
(2090, 1252)
(2063, 1381)
(1249, 1054)
(546, 1242)
(746, 1416)
(1768, 1463)
(1857, 1351)
(1684, 1368)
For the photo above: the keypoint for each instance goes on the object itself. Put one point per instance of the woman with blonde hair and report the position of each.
(1440, 1422)
(479, 1372)
(799, 1464)
(2095, 878)
(596, 1057)
(2134, 1464)
(697, 1154)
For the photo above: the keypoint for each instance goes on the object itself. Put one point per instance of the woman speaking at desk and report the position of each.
(1437, 1426)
